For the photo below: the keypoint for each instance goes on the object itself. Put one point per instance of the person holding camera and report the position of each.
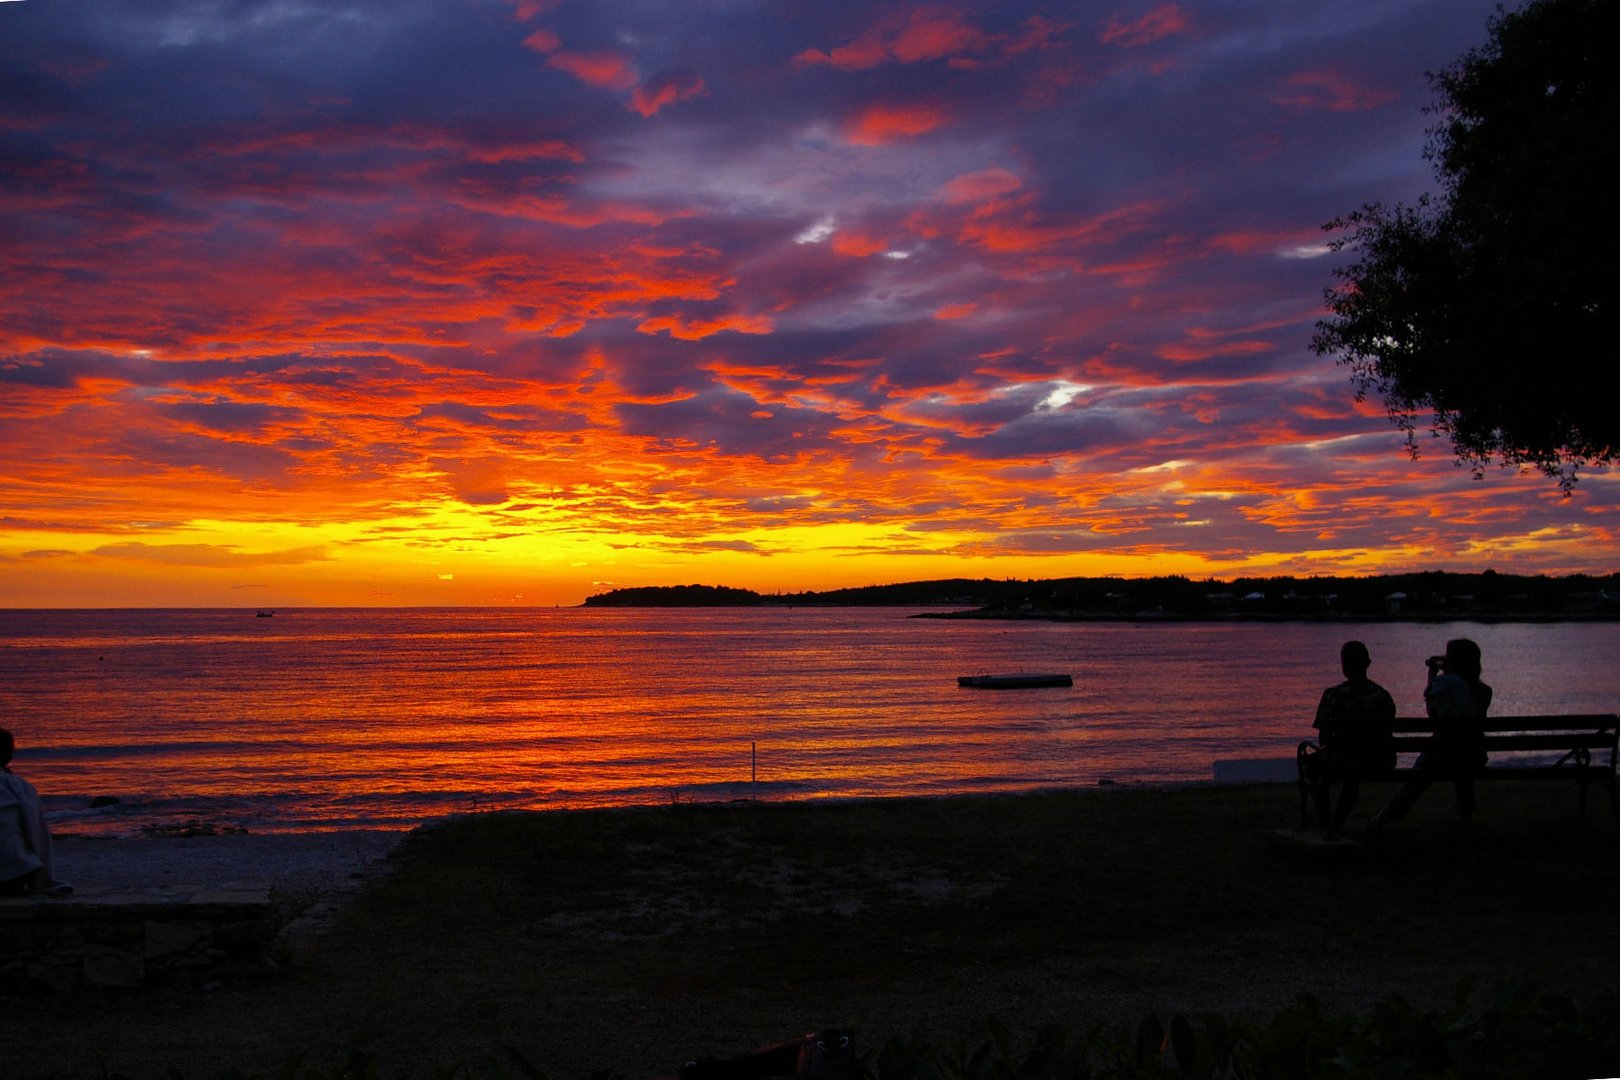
(1456, 700)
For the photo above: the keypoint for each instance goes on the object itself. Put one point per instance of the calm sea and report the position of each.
(333, 719)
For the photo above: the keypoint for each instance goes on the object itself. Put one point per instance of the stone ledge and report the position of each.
(127, 940)
(168, 898)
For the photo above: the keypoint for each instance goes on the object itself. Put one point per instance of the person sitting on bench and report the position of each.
(1457, 701)
(1354, 718)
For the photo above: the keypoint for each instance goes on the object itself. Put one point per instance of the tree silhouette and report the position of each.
(1489, 307)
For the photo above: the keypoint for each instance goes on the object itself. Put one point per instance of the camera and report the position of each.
(1436, 663)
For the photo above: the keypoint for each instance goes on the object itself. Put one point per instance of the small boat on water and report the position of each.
(265, 614)
(1013, 682)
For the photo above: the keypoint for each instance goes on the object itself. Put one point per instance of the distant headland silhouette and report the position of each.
(1423, 596)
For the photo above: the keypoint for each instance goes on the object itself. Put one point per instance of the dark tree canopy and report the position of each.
(1489, 307)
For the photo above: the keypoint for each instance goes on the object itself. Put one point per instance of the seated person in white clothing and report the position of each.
(25, 842)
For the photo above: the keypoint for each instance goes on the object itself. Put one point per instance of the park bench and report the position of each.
(1517, 748)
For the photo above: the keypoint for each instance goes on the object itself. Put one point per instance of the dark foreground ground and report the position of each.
(635, 940)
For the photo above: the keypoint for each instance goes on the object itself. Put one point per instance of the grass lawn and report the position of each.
(635, 940)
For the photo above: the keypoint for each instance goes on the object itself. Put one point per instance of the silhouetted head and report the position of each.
(1462, 658)
(7, 746)
(1354, 660)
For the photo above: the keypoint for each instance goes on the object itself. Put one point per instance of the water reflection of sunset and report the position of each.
(331, 718)
(644, 297)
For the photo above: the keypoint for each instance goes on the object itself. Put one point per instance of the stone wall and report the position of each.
(127, 941)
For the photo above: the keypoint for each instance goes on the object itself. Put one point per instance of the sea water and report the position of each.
(318, 719)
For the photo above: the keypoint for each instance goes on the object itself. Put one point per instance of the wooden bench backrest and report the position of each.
(1593, 731)
(1589, 722)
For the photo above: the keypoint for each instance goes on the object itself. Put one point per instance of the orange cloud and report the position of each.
(524, 10)
(918, 35)
(556, 208)
(1003, 234)
(880, 125)
(666, 89)
(555, 149)
(858, 245)
(932, 34)
(543, 41)
(415, 138)
(207, 554)
(1037, 32)
(868, 53)
(985, 184)
(1156, 25)
(608, 70)
(1331, 91)
(1187, 352)
(1265, 242)
(697, 329)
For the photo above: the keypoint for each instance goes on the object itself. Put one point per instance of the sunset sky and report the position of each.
(516, 301)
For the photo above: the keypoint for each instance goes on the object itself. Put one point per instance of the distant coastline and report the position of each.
(1263, 617)
(1432, 596)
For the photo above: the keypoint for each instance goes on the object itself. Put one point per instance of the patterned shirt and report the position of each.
(1354, 718)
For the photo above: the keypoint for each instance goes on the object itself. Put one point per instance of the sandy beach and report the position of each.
(298, 864)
